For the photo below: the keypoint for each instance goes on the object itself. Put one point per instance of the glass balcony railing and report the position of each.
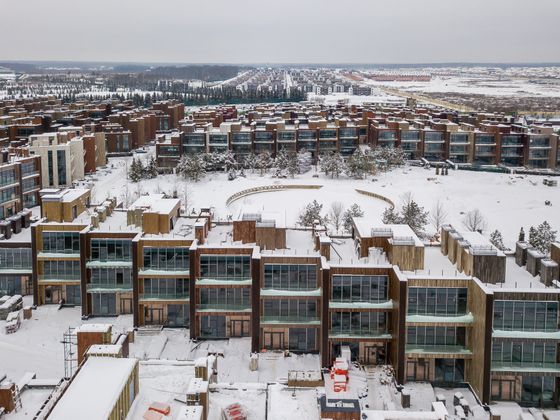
(223, 307)
(356, 333)
(164, 296)
(526, 366)
(289, 319)
(112, 286)
(437, 349)
(59, 277)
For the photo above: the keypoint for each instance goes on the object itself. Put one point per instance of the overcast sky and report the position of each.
(285, 31)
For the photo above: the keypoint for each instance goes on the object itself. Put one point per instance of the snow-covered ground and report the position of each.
(507, 202)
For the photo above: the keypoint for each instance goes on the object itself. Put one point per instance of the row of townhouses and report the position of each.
(454, 314)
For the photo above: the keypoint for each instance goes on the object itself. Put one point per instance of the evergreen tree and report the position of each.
(281, 161)
(230, 163)
(192, 167)
(543, 237)
(353, 211)
(332, 164)
(264, 162)
(497, 240)
(151, 170)
(312, 214)
(304, 161)
(136, 170)
(414, 216)
(391, 216)
(293, 167)
(250, 162)
(532, 236)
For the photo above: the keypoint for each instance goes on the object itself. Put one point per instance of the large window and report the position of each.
(290, 309)
(213, 326)
(111, 249)
(225, 298)
(166, 288)
(441, 301)
(61, 270)
(537, 389)
(19, 258)
(525, 315)
(170, 258)
(225, 267)
(61, 242)
(519, 353)
(358, 323)
(104, 304)
(50, 167)
(8, 194)
(61, 166)
(7, 177)
(302, 339)
(119, 278)
(353, 288)
(435, 336)
(290, 276)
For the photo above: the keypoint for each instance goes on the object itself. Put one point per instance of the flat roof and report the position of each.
(95, 389)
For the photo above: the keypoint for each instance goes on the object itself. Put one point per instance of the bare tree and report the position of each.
(187, 197)
(335, 214)
(438, 216)
(474, 221)
(126, 196)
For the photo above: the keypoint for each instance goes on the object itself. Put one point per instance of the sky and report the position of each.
(286, 31)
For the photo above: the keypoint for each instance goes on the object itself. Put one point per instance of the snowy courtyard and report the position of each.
(507, 201)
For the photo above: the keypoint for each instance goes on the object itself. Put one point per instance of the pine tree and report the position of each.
(230, 162)
(304, 161)
(497, 240)
(281, 161)
(356, 164)
(151, 170)
(521, 235)
(543, 237)
(349, 214)
(532, 236)
(312, 214)
(293, 167)
(391, 216)
(191, 167)
(264, 162)
(414, 216)
(250, 162)
(136, 170)
(332, 164)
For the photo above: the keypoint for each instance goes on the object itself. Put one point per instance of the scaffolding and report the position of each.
(70, 341)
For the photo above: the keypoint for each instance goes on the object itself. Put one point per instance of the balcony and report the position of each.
(223, 307)
(442, 349)
(278, 320)
(59, 278)
(167, 272)
(529, 335)
(108, 264)
(291, 293)
(107, 288)
(540, 367)
(360, 334)
(384, 305)
(74, 255)
(30, 174)
(164, 296)
(464, 319)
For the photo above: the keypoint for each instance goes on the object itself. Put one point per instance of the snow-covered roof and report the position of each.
(89, 328)
(95, 389)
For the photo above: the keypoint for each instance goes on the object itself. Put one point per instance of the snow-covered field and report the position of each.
(506, 201)
(492, 86)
